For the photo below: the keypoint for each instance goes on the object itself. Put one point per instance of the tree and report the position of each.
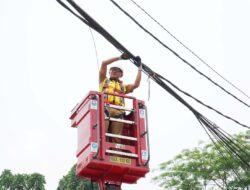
(19, 182)
(205, 167)
(6, 179)
(34, 181)
(72, 182)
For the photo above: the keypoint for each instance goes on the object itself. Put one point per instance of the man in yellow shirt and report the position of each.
(113, 84)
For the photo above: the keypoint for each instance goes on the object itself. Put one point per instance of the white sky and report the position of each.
(48, 64)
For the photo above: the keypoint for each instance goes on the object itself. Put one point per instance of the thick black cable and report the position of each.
(103, 32)
(153, 75)
(67, 8)
(177, 55)
(98, 28)
(226, 142)
(86, 22)
(221, 153)
(192, 52)
(203, 120)
(223, 140)
(202, 103)
(111, 39)
(242, 147)
(213, 129)
(146, 69)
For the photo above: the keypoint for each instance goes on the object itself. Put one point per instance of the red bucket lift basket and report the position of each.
(100, 159)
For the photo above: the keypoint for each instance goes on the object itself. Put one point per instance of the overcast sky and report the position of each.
(48, 64)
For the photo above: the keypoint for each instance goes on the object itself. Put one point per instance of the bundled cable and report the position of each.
(232, 147)
(187, 48)
(181, 58)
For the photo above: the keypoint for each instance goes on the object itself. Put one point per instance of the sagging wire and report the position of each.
(191, 51)
(203, 104)
(177, 55)
(96, 53)
(218, 148)
(87, 23)
(232, 148)
(214, 130)
(148, 87)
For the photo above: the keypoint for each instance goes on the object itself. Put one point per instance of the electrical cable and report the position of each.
(221, 153)
(67, 7)
(177, 55)
(202, 103)
(96, 53)
(148, 88)
(232, 148)
(214, 129)
(192, 52)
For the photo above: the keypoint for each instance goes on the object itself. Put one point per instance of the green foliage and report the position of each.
(34, 181)
(6, 179)
(72, 182)
(205, 167)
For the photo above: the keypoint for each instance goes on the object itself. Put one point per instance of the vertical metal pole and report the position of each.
(102, 127)
(98, 125)
(148, 146)
(137, 127)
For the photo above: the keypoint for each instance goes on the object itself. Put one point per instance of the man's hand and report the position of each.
(124, 56)
(138, 59)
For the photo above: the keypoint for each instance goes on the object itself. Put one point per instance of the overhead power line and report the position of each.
(177, 55)
(235, 151)
(93, 24)
(191, 51)
(202, 103)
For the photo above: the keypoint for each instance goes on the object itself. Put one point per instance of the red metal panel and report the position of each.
(92, 161)
(142, 131)
(96, 169)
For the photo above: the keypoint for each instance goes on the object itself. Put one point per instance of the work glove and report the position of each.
(138, 60)
(124, 56)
